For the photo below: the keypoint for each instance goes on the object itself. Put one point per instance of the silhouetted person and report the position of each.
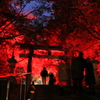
(52, 80)
(90, 78)
(78, 64)
(44, 74)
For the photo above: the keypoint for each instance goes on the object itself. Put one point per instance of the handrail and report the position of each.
(8, 82)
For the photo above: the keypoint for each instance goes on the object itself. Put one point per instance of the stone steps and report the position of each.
(46, 92)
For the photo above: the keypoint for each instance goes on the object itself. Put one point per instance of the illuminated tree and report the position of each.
(70, 16)
(22, 21)
(68, 23)
(17, 24)
(77, 23)
(76, 15)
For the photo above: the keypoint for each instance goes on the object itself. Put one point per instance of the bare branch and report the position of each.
(11, 37)
(88, 30)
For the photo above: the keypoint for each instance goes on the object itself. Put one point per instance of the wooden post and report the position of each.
(29, 69)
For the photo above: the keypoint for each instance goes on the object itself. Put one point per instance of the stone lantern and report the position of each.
(12, 62)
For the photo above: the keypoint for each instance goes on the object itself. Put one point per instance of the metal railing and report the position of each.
(8, 78)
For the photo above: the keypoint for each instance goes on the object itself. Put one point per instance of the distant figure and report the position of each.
(52, 80)
(44, 74)
(31, 92)
(78, 65)
(90, 78)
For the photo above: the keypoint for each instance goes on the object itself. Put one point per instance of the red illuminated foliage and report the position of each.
(72, 15)
(74, 25)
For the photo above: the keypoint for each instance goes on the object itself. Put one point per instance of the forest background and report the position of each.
(71, 24)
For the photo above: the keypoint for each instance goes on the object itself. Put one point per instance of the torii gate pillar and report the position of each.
(29, 69)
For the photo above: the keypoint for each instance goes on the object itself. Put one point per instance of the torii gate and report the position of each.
(31, 54)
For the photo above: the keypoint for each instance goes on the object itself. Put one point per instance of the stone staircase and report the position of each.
(46, 92)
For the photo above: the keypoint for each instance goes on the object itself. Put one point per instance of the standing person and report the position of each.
(44, 74)
(90, 78)
(78, 65)
(52, 80)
